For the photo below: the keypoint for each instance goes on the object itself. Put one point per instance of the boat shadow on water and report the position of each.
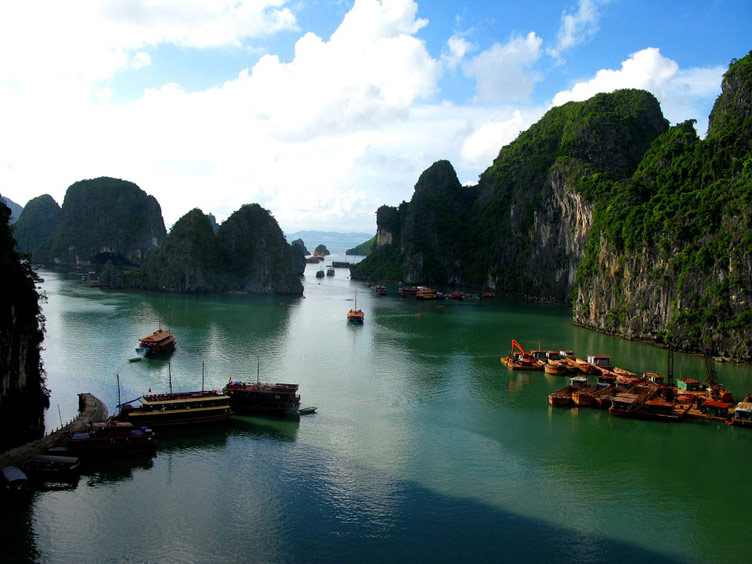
(279, 428)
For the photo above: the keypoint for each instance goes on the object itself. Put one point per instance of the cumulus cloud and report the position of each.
(457, 48)
(482, 146)
(684, 94)
(502, 73)
(576, 26)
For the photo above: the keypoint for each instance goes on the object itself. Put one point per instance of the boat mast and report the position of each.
(169, 373)
(202, 375)
(258, 370)
(118, 383)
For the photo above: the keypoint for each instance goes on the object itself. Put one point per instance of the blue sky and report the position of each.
(322, 111)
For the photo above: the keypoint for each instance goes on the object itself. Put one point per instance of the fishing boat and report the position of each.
(521, 360)
(563, 397)
(356, 315)
(175, 409)
(160, 342)
(111, 438)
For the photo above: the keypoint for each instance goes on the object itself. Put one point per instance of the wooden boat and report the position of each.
(563, 397)
(340, 264)
(626, 404)
(13, 483)
(258, 398)
(356, 315)
(622, 372)
(579, 366)
(521, 360)
(111, 438)
(177, 409)
(53, 468)
(408, 290)
(426, 294)
(661, 410)
(711, 410)
(306, 410)
(556, 368)
(600, 361)
(742, 414)
(160, 342)
(586, 397)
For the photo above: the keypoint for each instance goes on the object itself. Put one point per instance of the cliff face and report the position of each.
(670, 259)
(105, 219)
(259, 258)
(23, 396)
(645, 229)
(37, 222)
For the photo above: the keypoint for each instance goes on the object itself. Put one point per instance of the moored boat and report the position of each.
(521, 360)
(626, 404)
(47, 468)
(380, 290)
(600, 361)
(426, 294)
(177, 409)
(658, 409)
(742, 414)
(111, 438)
(563, 397)
(261, 398)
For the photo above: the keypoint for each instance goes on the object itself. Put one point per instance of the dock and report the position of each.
(91, 409)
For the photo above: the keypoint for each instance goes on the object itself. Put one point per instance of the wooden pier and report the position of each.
(91, 409)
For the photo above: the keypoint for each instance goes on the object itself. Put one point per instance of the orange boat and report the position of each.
(356, 315)
(563, 397)
(521, 360)
(161, 341)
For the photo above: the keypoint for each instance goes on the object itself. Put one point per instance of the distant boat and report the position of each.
(330, 271)
(319, 274)
(380, 290)
(356, 315)
(111, 438)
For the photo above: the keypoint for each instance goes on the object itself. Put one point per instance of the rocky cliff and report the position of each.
(36, 224)
(105, 219)
(643, 227)
(23, 396)
(670, 256)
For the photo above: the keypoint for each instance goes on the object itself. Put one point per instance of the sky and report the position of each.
(321, 111)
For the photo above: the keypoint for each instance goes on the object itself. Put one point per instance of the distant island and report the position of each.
(644, 228)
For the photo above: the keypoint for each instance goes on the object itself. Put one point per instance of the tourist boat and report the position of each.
(111, 438)
(356, 315)
(177, 409)
(563, 397)
(259, 398)
(380, 290)
(426, 294)
(408, 290)
(521, 360)
(742, 414)
(340, 264)
(160, 342)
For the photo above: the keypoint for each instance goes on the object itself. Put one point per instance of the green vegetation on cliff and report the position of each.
(37, 223)
(23, 396)
(247, 254)
(364, 249)
(105, 219)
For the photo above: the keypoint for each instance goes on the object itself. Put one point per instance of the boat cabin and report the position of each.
(688, 384)
(715, 408)
(566, 354)
(659, 407)
(606, 380)
(578, 381)
(624, 402)
(600, 360)
(653, 377)
(743, 412)
(553, 355)
(539, 355)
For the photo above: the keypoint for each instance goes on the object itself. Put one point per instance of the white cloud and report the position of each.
(683, 94)
(458, 47)
(576, 26)
(482, 146)
(502, 72)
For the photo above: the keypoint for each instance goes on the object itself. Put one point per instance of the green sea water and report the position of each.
(424, 446)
